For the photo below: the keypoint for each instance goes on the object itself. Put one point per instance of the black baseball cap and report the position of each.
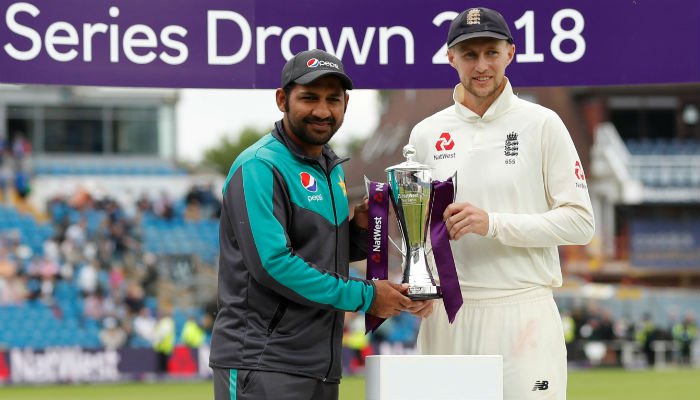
(478, 22)
(307, 66)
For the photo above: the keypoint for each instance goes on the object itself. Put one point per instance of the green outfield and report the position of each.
(604, 384)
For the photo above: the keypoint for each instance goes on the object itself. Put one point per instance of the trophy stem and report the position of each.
(421, 285)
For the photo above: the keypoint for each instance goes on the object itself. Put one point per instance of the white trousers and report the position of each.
(525, 329)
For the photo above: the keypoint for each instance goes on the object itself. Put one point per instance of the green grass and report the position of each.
(603, 384)
(618, 384)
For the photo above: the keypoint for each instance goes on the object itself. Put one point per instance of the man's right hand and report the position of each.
(389, 299)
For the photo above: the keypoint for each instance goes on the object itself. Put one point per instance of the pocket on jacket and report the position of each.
(277, 317)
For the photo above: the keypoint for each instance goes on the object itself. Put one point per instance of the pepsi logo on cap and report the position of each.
(315, 62)
(308, 181)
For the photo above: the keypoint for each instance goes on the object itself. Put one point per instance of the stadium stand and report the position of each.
(62, 279)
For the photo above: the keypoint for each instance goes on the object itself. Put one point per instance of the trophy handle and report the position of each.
(403, 253)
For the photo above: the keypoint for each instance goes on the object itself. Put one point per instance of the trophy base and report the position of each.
(430, 296)
(424, 292)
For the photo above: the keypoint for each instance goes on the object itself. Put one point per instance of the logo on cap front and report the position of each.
(474, 16)
(315, 62)
(308, 181)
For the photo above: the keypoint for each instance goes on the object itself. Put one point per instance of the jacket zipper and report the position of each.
(335, 218)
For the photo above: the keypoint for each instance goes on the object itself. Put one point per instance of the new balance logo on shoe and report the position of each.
(541, 385)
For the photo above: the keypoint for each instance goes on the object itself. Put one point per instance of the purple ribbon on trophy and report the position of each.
(417, 201)
(443, 194)
(378, 233)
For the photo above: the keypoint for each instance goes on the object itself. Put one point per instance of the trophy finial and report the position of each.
(409, 152)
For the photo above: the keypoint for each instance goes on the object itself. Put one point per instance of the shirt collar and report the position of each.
(502, 103)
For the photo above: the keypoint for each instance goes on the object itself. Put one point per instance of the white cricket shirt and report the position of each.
(519, 164)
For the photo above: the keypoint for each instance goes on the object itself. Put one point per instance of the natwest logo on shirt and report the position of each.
(580, 176)
(443, 145)
(445, 142)
(578, 171)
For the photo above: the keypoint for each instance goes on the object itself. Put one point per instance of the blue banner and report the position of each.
(383, 44)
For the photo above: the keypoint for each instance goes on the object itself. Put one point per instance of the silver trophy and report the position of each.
(410, 184)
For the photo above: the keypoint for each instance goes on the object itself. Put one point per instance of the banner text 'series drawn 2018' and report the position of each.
(387, 44)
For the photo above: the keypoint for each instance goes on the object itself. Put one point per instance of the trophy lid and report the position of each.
(409, 165)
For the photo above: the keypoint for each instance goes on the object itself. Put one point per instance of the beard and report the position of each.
(300, 129)
(313, 138)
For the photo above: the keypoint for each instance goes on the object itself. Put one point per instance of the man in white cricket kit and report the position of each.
(521, 192)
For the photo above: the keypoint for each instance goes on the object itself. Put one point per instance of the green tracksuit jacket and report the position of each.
(285, 246)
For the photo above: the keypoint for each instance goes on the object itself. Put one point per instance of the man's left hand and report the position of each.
(463, 218)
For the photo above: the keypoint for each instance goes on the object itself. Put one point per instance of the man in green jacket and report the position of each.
(285, 246)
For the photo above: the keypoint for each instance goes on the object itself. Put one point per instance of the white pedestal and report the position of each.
(434, 377)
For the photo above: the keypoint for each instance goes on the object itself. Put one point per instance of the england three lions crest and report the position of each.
(510, 149)
(511, 146)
